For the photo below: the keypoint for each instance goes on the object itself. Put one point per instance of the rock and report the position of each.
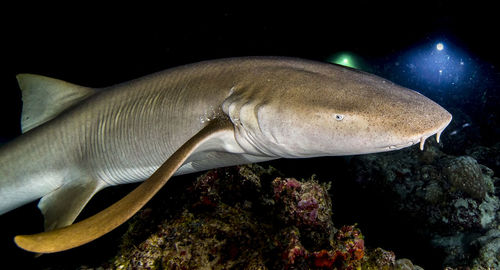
(465, 174)
(446, 200)
(489, 250)
(405, 264)
(489, 156)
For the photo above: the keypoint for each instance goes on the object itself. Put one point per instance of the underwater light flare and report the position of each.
(344, 59)
(439, 46)
(438, 65)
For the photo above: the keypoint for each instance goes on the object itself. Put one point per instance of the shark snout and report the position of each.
(419, 135)
(438, 130)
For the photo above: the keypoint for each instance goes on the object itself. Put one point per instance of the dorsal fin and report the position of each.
(44, 98)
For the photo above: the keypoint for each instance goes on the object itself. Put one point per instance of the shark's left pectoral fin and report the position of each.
(94, 227)
(61, 207)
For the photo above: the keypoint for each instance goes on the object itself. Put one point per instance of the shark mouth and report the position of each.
(420, 140)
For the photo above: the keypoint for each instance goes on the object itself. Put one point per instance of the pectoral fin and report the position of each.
(94, 227)
(61, 207)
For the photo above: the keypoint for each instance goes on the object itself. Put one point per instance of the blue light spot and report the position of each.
(439, 46)
(434, 67)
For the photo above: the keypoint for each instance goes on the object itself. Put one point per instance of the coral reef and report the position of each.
(248, 217)
(453, 199)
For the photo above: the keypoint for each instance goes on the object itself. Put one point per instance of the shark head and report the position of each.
(327, 110)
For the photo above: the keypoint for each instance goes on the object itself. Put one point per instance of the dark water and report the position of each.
(101, 48)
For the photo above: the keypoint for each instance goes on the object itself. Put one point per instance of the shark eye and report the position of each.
(339, 117)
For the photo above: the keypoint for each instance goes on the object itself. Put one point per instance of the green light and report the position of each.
(344, 59)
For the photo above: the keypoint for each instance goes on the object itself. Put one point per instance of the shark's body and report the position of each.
(118, 135)
(278, 107)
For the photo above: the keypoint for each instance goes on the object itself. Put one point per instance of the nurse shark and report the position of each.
(78, 140)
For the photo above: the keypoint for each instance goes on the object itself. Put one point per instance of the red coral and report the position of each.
(349, 244)
(323, 259)
(351, 252)
(358, 250)
(207, 201)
